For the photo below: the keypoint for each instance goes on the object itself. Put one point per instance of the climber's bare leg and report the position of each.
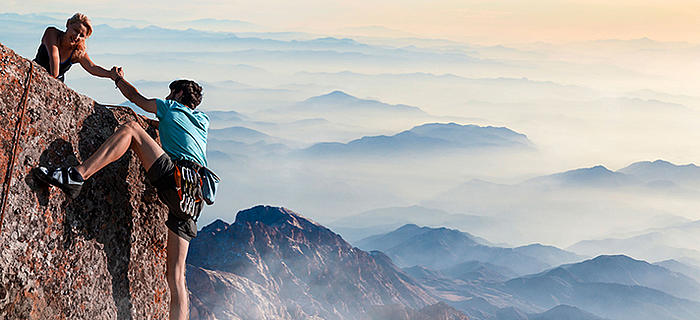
(129, 135)
(175, 271)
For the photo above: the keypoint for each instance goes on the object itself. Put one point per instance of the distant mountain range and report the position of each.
(382, 220)
(657, 244)
(682, 268)
(433, 137)
(442, 248)
(241, 134)
(660, 170)
(422, 140)
(625, 270)
(272, 263)
(247, 142)
(594, 177)
(565, 312)
(658, 173)
(339, 101)
(479, 271)
(639, 195)
(607, 287)
(608, 299)
(303, 266)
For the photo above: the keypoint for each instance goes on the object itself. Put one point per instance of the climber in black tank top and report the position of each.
(61, 49)
(42, 58)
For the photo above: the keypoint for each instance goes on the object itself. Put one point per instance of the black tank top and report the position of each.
(42, 58)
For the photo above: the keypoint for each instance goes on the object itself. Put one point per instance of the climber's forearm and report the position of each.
(133, 95)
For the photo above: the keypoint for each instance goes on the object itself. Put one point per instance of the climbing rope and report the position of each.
(15, 144)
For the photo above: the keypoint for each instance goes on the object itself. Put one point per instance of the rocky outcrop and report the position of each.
(224, 295)
(272, 254)
(100, 256)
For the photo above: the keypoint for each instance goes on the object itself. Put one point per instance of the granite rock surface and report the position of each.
(100, 256)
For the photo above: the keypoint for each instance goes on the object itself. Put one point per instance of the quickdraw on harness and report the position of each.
(188, 183)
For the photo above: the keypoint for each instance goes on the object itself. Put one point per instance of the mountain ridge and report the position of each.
(310, 268)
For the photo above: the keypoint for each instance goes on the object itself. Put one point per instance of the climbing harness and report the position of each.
(188, 183)
(15, 144)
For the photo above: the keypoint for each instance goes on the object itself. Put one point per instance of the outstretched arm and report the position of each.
(94, 69)
(148, 105)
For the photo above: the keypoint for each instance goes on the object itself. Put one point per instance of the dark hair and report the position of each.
(191, 92)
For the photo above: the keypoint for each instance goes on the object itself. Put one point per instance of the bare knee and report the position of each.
(129, 126)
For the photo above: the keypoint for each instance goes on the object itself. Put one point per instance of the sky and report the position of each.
(484, 22)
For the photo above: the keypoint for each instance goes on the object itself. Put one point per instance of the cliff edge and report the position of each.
(100, 256)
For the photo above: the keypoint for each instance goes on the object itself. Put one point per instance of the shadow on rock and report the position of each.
(58, 154)
(101, 211)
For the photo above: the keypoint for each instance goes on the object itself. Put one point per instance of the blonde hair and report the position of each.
(85, 21)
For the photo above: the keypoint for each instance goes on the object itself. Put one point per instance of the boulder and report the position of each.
(100, 256)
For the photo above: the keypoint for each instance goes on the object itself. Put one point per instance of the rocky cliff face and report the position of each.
(297, 268)
(100, 256)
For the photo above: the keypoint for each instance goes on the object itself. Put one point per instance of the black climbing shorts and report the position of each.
(162, 176)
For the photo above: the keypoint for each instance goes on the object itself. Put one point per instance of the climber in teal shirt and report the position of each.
(183, 131)
(174, 169)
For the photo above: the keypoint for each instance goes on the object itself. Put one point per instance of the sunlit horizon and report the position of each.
(479, 22)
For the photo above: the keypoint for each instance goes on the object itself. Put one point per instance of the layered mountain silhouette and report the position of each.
(382, 220)
(608, 299)
(565, 312)
(625, 270)
(479, 271)
(246, 142)
(661, 170)
(674, 242)
(685, 269)
(272, 263)
(441, 248)
(658, 173)
(238, 133)
(597, 177)
(430, 137)
(304, 266)
(339, 101)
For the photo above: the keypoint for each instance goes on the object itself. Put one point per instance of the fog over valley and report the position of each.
(377, 170)
(337, 126)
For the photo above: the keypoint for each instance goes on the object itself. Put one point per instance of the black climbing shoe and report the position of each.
(67, 179)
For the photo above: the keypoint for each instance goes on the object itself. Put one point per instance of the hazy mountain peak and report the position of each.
(408, 227)
(334, 96)
(274, 216)
(662, 170)
(238, 131)
(659, 163)
(306, 267)
(563, 311)
(624, 270)
(599, 169)
(341, 101)
(596, 176)
(617, 258)
(442, 129)
(216, 226)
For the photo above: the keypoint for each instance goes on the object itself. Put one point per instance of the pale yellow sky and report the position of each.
(492, 22)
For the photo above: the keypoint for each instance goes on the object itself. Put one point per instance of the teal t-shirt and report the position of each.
(183, 131)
